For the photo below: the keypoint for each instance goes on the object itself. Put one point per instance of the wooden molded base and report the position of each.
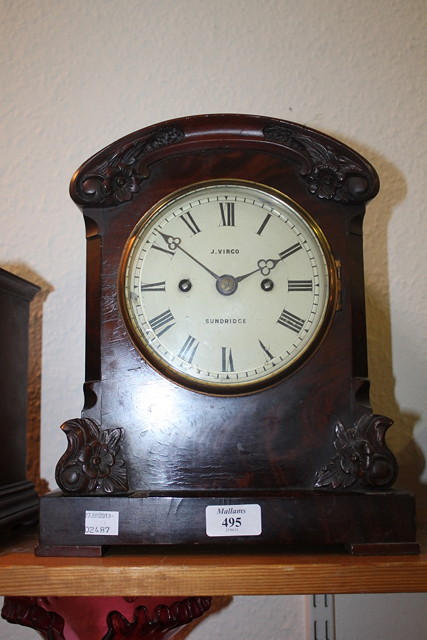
(371, 522)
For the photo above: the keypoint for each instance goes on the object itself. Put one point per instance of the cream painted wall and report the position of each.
(78, 74)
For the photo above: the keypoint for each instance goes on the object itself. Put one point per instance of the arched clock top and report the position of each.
(330, 169)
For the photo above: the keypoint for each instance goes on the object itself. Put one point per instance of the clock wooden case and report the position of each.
(18, 498)
(227, 392)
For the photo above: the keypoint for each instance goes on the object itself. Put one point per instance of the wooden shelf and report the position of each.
(133, 572)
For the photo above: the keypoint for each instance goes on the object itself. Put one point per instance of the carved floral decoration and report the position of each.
(327, 179)
(92, 462)
(117, 179)
(362, 456)
(328, 175)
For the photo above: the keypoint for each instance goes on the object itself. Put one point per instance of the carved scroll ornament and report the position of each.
(92, 462)
(362, 456)
(329, 175)
(119, 177)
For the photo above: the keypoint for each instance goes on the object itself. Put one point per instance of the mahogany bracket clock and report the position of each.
(227, 393)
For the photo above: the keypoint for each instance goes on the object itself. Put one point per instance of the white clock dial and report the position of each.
(225, 285)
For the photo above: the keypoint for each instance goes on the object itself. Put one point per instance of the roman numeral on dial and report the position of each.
(300, 285)
(290, 321)
(162, 323)
(189, 348)
(264, 224)
(289, 251)
(154, 286)
(226, 359)
(227, 214)
(190, 222)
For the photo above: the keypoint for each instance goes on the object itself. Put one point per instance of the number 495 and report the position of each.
(231, 522)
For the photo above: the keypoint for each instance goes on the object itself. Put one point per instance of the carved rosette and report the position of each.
(118, 178)
(362, 456)
(92, 463)
(328, 175)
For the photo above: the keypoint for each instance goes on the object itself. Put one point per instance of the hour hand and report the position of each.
(264, 266)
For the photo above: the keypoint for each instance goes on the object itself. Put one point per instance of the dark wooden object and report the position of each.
(311, 435)
(18, 498)
(289, 518)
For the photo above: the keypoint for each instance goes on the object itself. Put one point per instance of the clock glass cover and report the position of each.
(226, 286)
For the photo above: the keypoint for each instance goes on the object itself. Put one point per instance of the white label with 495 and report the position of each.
(233, 520)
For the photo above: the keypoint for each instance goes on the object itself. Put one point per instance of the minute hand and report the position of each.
(265, 266)
(174, 243)
(212, 273)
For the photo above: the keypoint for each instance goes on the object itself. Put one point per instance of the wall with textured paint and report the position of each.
(76, 75)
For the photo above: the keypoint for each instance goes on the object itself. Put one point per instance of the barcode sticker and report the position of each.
(102, 523)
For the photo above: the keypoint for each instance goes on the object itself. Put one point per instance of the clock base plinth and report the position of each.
(374, 522)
